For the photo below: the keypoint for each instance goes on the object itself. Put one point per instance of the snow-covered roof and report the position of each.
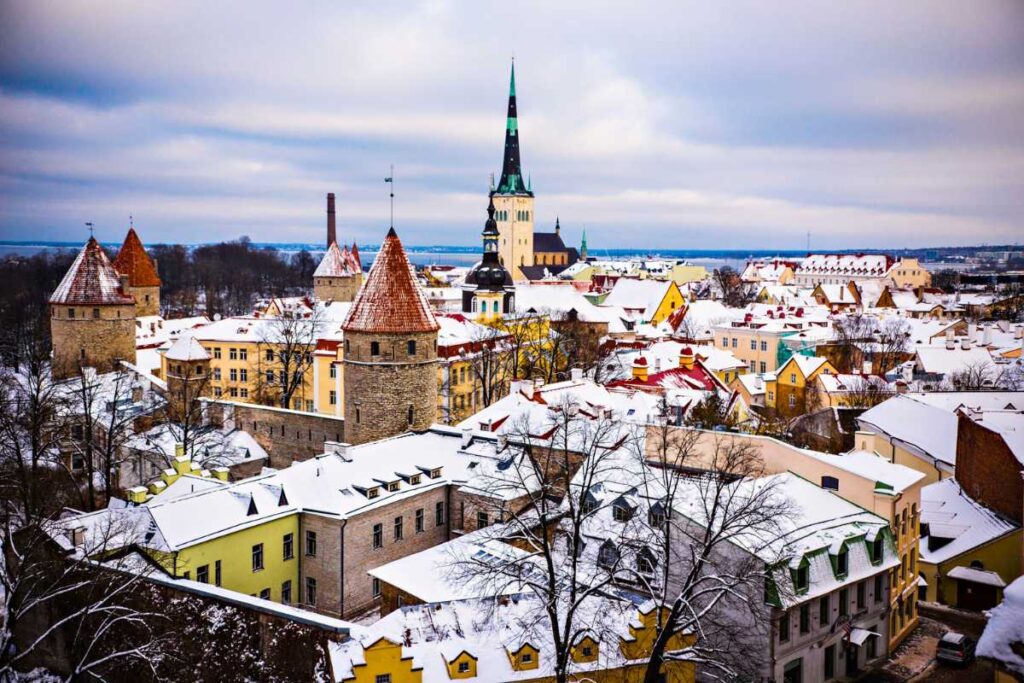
(975, 400)
(91, 280)
(923, 426)
(956, 523)
(638, 295)
(851, 265)
(938, 360)
(337, 263)
(989, 578)
(1003, 637)
(187, 348)
(559, 299)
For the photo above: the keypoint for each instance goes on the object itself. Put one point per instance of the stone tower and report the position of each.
(92, 315)
(339, 274)
(390, 352)
(143, 281)
(187, 369)
(513, 198)
(488, 291)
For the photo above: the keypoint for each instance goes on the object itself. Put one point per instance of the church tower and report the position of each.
(390, 352)
(143, 281)
(92, 315)
(488, 291)
(513, 199)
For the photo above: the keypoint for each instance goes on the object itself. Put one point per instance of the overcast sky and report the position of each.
(671, 124)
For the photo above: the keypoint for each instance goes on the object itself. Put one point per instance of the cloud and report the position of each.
(680, 125)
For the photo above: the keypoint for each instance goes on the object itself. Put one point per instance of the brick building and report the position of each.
(990, 460)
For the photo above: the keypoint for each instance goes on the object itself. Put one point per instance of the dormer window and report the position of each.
(373, 492)
(414, 479)
(877, 548)
(622, 512)
(463, 667)
(608, 555)
(393, 486)
(802, 577)
(830, 483)
(435, 473)
(645, 562)
(843, 562)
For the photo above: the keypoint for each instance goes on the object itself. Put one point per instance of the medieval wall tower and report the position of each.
(143, 281)
(340, 272)
(513, 198)
(390, 352)
(187, 369)
(92, 315)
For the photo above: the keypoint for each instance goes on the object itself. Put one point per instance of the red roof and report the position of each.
(390, 300)
(91, 280)
(337, 263)
(133, 261)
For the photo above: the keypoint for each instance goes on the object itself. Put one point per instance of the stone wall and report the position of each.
(97, 337)
(147, 300)
(336, 288)
(287, 435)
(381, 389)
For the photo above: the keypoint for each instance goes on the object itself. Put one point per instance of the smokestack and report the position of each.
(331, 229)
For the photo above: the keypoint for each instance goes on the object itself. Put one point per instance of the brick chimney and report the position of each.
(331, 229)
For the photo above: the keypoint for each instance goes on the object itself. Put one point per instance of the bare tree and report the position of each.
(285, 352)
(490, 362)
(528, 336)
(851, 333)
(709, 588)
(975, 376)
(541, 499)
(735, 292)
(893, 344)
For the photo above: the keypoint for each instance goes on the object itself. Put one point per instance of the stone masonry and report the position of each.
(336, 288)
(391, 391)
(91, 336)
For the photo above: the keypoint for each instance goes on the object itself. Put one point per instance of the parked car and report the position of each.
(955, 648)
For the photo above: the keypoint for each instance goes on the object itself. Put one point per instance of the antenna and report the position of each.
(89, 225)
(391, 180)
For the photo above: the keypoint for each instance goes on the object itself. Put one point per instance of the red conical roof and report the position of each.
(336, 263)
(91, 280)
(390, 300)
(134, 262)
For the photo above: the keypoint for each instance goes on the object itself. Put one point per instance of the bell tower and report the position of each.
(513, 198)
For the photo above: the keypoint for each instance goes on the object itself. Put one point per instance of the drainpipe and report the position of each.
(341, 573)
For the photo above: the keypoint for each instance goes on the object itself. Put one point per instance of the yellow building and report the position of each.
(448, 641)
(909, 273)
(790, 388)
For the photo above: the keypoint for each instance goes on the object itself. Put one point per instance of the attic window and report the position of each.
(621, 512)
(414, 479)
(373, 492)
(282, 500)
(801, 577)
(393, 486)
(877, 547)
(843, 562)
(252, 508)
(830, 483)
(435, 473)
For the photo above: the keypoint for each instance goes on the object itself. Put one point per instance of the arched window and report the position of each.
(494, 307)
(977, 564)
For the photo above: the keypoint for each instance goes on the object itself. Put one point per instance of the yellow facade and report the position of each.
(1001, 555)
(235, 554)
(385, 656)
(462, 666)
(672, 300)
(687, 272)
(757, 348)
(789, 388)
(896, 452)
(909, 273)
(514, 214)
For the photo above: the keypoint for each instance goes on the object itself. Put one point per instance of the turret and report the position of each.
(143, 282)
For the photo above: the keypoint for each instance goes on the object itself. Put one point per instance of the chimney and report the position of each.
(331, 226)
(901, 386)
(1018, 332)
(965, 343)
(866, 368)
(908, 372)
(122, 280)
(576, 374)
(972, 330)
(950, 340)
(686, 358)
(467, 436)
(986, 338)
(640, 369)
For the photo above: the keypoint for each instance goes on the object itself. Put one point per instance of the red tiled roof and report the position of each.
(390, 300)
(91, 280)
(133, 261)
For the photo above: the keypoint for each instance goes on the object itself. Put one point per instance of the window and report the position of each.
(824, 611)
(419, 520)
(216, 573)
(216, 374)
(725, 341)
(621, 513)
(398, 528)
(96, 314)
(334, 370)
(269, 355)
(410, 415)
(764, 346)
(734, 340)
(792, 401)
(801, 577)
(243, 375)
(378, 536)
(645, 562)
(243, 392)
(439, 514)
(860, 595)
(753, 345)
(311, 544)
(792, 378)
(393, 486)
(288, 551)
(333, 395)
(764, 367)
(805, 618)
(830, 662)
(203, 574)
(233, 375)
(784, 627)
(463, 667)
(481, 519)
(842, 562)
(265, 594)
(877, 549)
(233, 354)
(376, 587)
(872, 651)
(216, 352)
(608, 555)
(844, 602)
(257, 557)
(374, 348)
(410, 347)
(286, 592)
(71, 313)
(243, 354)
(310, 591)
(830, 483)
(526, 658)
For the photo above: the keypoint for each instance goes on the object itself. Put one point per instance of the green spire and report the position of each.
(583, 246)
(512, 81)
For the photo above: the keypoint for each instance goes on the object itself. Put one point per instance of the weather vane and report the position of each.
(89, 225)
(391, 180)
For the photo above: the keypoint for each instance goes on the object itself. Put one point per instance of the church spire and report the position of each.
(511, 171)
(583, 246)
